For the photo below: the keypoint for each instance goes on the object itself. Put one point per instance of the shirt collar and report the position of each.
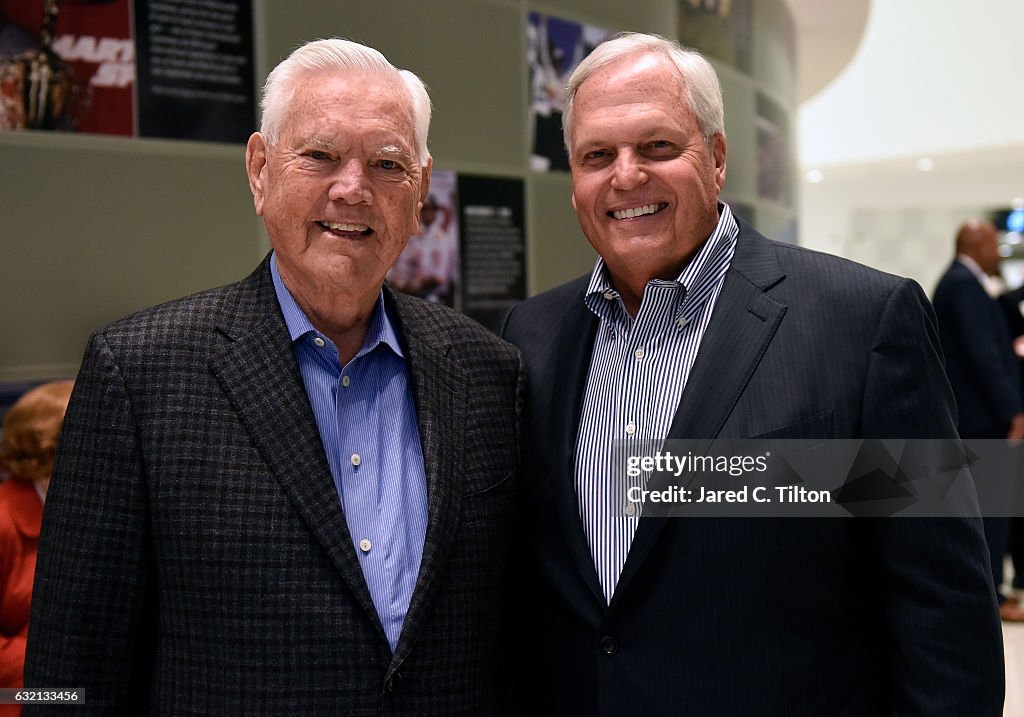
(972, 266)
(994, 286)
(380, 331)
(698, 270)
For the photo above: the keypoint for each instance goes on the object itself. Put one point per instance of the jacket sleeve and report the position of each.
(88, 626)
(945, 650)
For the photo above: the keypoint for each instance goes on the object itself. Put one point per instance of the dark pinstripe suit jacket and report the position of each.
(195, 558)
(740, 617)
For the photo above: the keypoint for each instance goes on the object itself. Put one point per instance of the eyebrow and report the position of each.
(321, 142)
(314, 140)
(387, 151)
(393, 150)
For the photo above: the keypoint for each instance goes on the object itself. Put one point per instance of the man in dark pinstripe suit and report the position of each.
(693, 325)
(291, 495)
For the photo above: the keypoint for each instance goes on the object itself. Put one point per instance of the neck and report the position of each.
(344, 319)
(341, 311)
(632, 297)
(631, 287)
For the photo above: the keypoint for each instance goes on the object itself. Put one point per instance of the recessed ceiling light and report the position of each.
(925, 164)
(815, 176)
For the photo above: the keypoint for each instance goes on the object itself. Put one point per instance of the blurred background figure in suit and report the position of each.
(1012, 303)
(982, 368)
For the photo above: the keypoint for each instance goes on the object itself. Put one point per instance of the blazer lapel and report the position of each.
(572, 355)
(743, 323)
(258, 372)
(440, 391)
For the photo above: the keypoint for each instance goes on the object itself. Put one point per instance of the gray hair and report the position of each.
(696, 75)
(337, 55)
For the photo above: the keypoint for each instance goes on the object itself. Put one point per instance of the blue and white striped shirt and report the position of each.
(367, 421)
(638, 370)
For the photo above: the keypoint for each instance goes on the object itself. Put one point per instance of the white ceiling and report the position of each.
(940, 80)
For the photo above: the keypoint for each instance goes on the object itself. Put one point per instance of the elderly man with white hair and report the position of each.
(290, 495)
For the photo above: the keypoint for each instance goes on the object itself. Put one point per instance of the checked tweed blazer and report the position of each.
(195, 558)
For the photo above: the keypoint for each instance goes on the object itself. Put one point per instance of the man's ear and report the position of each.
(718, 151)
(255, 164)
(425, 180)
(424, 189)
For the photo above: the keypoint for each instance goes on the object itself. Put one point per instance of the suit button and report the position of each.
(392, 684)
(609, 646)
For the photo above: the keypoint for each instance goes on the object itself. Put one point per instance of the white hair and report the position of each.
(337, 55)
(696, 75)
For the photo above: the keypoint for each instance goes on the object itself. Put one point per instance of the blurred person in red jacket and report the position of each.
(31, 430)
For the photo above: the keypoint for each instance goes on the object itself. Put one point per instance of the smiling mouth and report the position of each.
(633, 212)
(346, 229)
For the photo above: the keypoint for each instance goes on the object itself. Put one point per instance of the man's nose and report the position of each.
(628, 171)
(351, 183)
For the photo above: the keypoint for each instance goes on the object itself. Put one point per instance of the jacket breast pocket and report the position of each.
(820, 425)
(491, 502)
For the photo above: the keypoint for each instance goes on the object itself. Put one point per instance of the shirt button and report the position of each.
(345, 381)
(631, 510)
(631, 428)
(609, 296)
(639, 353)
(609, 646)
(365, 545)
(356, 460)
(319, 342)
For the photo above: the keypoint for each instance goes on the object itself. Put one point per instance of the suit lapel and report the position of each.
(574, 346)
(440, 392)
(743, 323)
(260, 376)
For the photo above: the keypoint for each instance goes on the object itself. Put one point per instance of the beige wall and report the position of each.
(93, 228)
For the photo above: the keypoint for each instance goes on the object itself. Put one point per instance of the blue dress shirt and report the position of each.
(367, 421)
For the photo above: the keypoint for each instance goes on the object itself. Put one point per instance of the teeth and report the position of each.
(347, 227)
(638, 211)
